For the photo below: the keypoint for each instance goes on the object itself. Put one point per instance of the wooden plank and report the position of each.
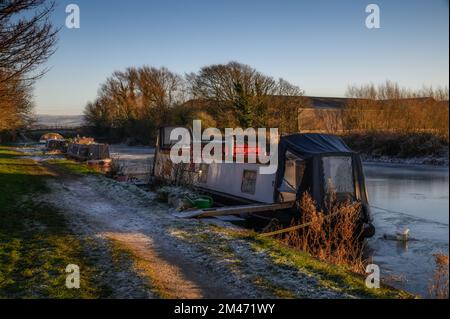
(234, 210)
(230, 218)
(292, 228)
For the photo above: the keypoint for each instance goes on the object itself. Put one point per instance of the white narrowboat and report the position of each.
(314, 163)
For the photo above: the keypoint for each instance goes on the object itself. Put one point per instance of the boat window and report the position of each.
(203, 173)
(293, 176)
(338, 175)
(249, 182)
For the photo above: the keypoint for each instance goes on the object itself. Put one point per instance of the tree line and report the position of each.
(134, 103)
(391, 108)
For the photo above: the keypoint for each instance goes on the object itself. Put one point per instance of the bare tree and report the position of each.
(160, 90)
(138, 100)
(241, 95)
(27, 39)
(15, 105)
(135, 102)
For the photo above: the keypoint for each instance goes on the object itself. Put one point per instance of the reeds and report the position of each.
(333, 235)
(439, 283)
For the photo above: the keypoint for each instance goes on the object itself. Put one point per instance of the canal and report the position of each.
(413, 197)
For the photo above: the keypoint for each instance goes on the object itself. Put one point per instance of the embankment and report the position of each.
(417, 148)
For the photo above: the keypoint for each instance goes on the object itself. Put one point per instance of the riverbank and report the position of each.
(439, 162)
(408, 149)
(120, 234)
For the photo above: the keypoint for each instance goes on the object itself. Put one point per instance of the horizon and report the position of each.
(322, 47)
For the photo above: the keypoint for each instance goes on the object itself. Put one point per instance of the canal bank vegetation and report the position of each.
(439, 283)
(328, 249)
(394, 122)
(391, 108)
(334, 276)
(73, 167)
(422, 147)
(333, 237)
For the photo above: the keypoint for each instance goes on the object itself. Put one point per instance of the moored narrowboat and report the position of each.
(319, 164)
(89, 151)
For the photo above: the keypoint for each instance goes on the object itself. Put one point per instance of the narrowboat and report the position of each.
(56, 145)
(311, 162)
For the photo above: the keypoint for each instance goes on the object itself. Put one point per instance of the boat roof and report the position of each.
(309, 144)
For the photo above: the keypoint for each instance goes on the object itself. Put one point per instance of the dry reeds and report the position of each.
(336, 239)
(439, 283)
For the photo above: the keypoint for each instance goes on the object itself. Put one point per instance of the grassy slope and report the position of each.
(216, 240)
(332, 276)
(36, 243)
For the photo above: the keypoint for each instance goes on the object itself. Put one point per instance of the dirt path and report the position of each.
(132, 220)
(171, 266)
(167, 277)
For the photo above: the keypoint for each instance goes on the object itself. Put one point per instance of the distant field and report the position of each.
(59, 120)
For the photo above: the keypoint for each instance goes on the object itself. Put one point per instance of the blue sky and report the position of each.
(321, 46)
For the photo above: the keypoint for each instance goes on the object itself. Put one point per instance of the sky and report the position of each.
(321, 46)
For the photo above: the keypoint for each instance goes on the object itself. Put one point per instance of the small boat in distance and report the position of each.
(56, 146)
(50, 136)
(86, 149)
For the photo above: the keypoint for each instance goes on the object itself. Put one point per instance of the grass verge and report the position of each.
(73, 167)
(339, 278)
(36, 242)
(336, 277)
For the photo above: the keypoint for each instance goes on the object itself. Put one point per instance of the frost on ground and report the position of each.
(38, 153)
(170, 257)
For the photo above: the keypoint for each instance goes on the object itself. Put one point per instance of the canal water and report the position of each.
(134, 162)
(413, 197)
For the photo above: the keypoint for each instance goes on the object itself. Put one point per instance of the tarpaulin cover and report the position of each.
(306, 145)
(312, 147)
